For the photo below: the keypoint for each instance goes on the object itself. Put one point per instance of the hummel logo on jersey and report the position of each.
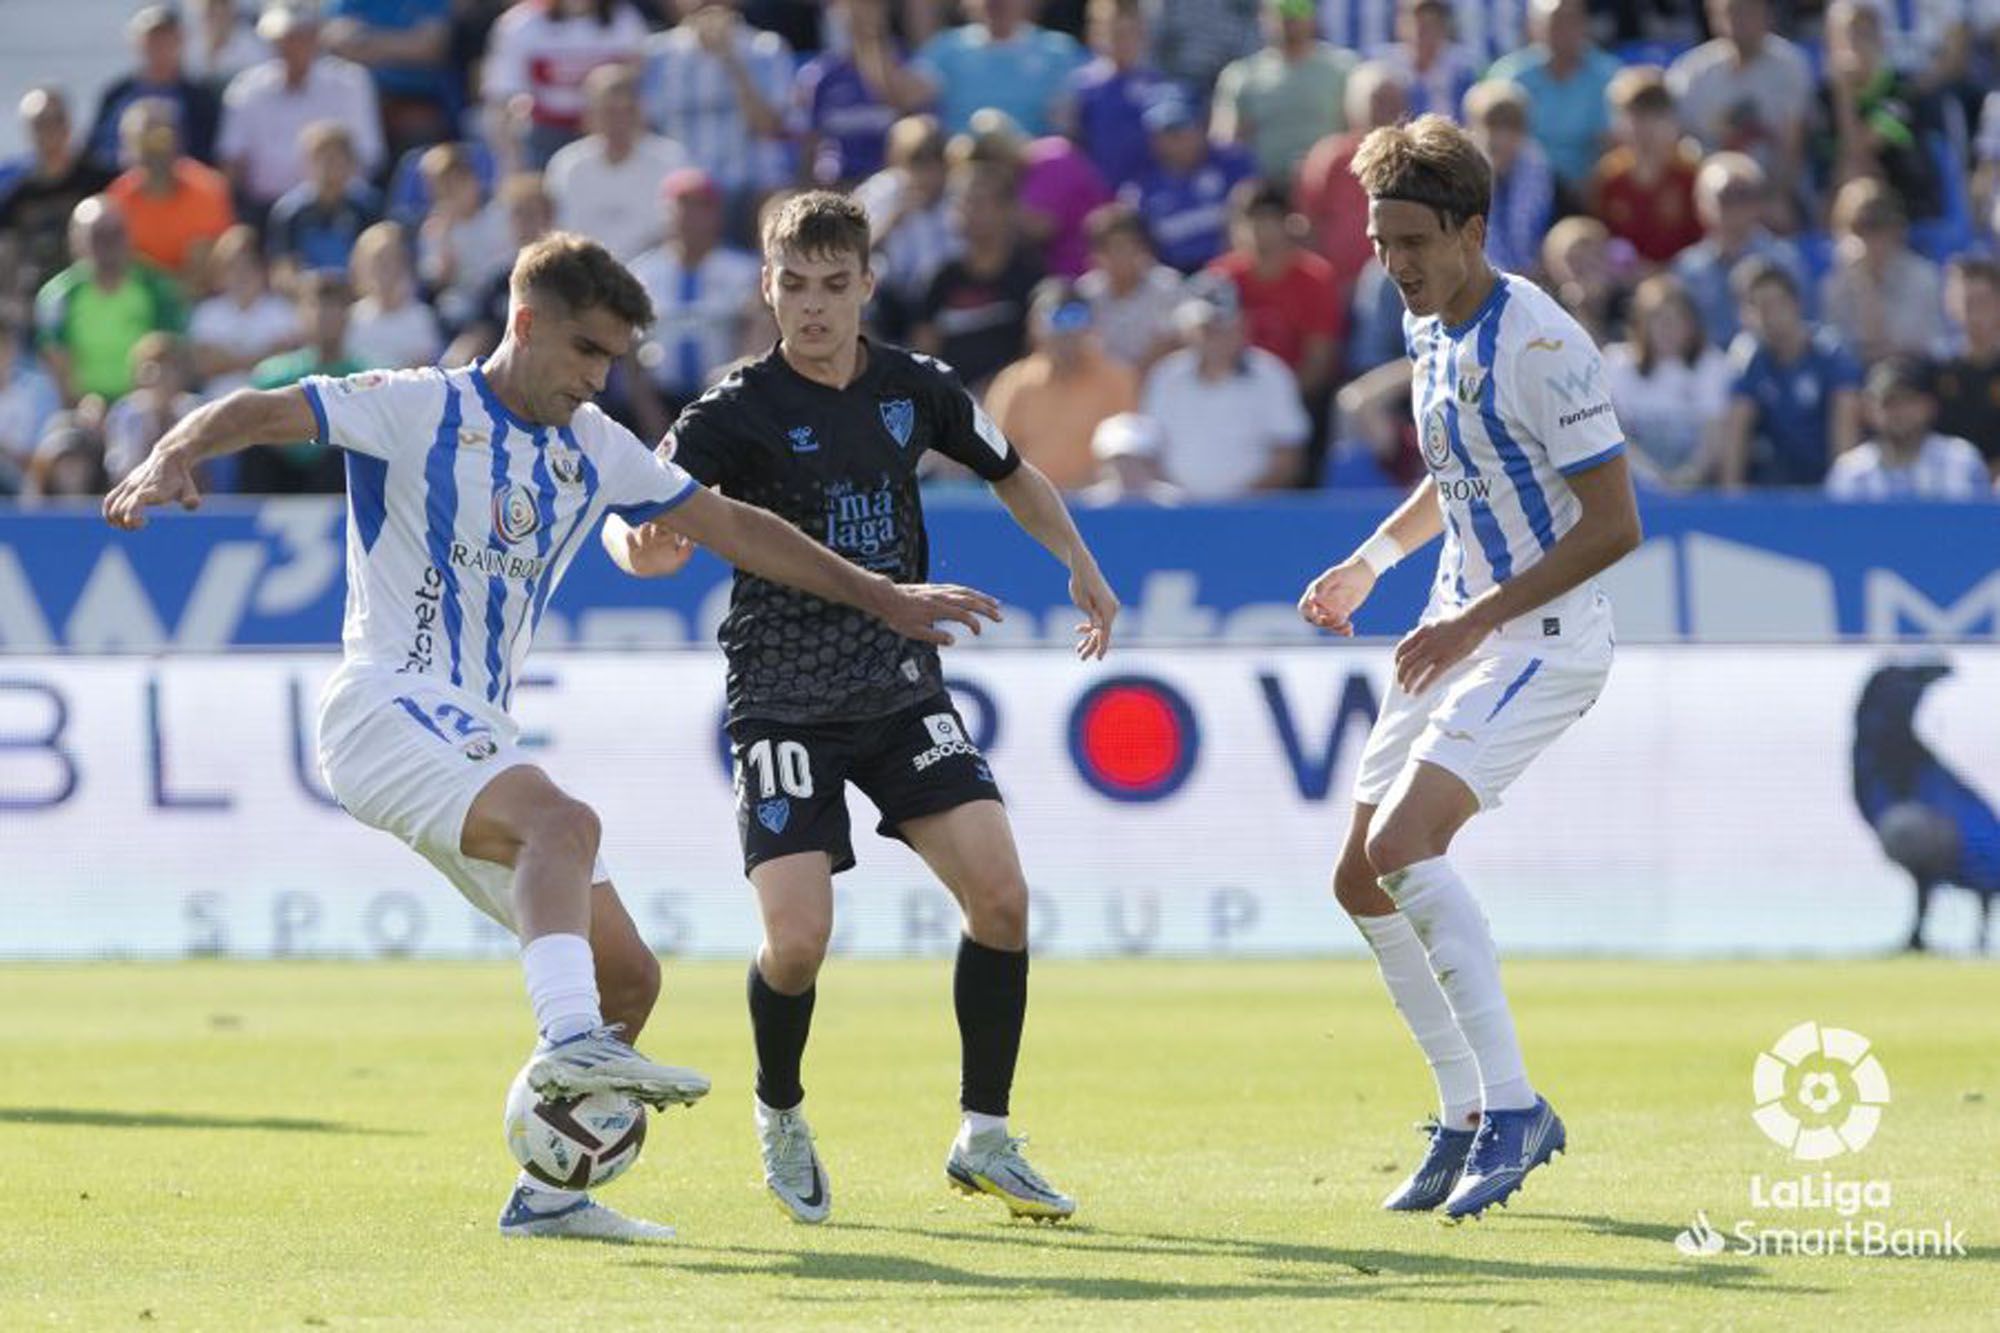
(802, 440)
(899, 418)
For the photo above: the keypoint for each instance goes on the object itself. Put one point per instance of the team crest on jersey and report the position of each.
(802, 440)
(1469, 385)
(899, 418)
(565, 465)
(516, 516)
(775, 813)
(1436, 439)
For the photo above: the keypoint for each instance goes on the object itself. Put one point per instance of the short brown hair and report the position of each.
(1429, 161)
(818, 224)
(1641, 90)
(582, 275)
(1115, 219)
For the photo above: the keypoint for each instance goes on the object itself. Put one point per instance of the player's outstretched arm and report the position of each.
(237, 421)
(1038, 507)
(765, 545)
(1331, 600)
(649, 551)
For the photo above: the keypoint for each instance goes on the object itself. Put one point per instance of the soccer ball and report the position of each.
(575, 1143)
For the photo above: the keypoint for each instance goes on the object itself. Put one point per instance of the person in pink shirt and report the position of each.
(1059, 187)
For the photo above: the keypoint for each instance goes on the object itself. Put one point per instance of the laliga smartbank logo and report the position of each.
(1819, 1093)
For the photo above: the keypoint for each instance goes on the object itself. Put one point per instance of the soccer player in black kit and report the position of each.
(827, 430)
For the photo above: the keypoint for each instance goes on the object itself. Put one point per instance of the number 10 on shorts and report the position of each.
(774, 765)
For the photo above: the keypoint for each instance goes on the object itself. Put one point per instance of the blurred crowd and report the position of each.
(1128, 224)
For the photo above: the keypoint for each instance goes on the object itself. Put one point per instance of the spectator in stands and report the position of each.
(226, 45)
(156, 33)
(1524, 186)
(705, 299)
(91, 315)
(69, 461)
(1874, 120)
(1931, 41)
(1277, 102)
(1193, 40)
(244, 322)
(1291, 305)
(1127, 448)
(1183, 197)
(975, 316)
(720, 88)
(1059, 189)
(1748, 91)
(1882, 297)
(1230, 412)
(909, 219)
(537, 58)
(1584, 274)
(530, 215)
(175, 208)
(290, 467)
(1565, 77)
(1049, 403)
(1331, 199)
(845, 100)
(1001, 59)
(462, 242)
(1985, 184)
(1369, 28)
(1968, 382)
(405, 45)
(1905, 459)
(1670, 386)
(1377, 446)
(35, 210)
(315, 224)
(1108, 97)
(157, 402)
(1643, 190)
(1731, 195)
(28, 399)
(1793, 407)
(388, 328)
(268, 107)
(607, 184)
(1133, 297)
(1437, 71)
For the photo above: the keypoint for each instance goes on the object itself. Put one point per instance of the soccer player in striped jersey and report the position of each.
(468, 491)
(1529, 487)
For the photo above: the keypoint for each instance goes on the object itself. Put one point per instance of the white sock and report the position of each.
(1421, 1002)
(1459, 944)
(541, 1199)
(562, 985)
(976, 1123)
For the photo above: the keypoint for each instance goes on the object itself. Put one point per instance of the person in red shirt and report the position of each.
(1326, 191)
(175, 208)
(1643, 190)
(1293, 305)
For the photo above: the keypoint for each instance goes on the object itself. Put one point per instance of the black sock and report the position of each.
(780, 1024)
(990, 991)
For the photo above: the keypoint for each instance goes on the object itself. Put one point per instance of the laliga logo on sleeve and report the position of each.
(1820, 1092)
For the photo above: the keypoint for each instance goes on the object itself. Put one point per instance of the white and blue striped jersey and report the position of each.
(462, 518)
(1488, 29)
(1509, 405)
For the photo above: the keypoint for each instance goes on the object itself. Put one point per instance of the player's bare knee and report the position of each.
(564, 827)
(996, 914)
(1355, 883)
(793, 953)
(1398, 844)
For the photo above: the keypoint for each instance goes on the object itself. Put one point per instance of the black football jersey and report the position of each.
(841, 466)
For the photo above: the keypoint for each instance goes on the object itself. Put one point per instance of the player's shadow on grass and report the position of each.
(70, 1115)
(945, 1282)
(1429, 1264)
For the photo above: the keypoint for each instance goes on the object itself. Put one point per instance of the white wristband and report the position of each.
(1380, 553)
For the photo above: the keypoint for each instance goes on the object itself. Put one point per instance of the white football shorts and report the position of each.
(409, 758)
(1487, 719)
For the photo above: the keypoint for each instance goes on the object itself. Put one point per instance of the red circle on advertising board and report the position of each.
(1131, 737)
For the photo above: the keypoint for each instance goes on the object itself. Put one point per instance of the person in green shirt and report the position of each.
(91, 315)
(1280, 101)
(290, 467)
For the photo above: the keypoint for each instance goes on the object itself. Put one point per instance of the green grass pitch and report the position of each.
(270, 1146)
